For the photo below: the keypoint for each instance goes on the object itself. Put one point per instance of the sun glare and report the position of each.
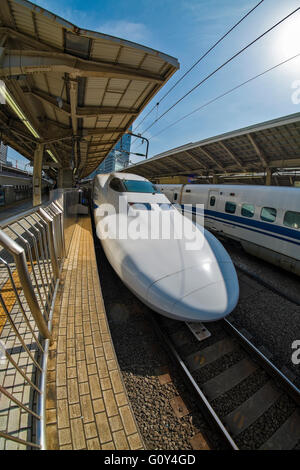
(287, 41)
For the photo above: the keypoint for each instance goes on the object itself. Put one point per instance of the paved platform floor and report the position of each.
(87, 405)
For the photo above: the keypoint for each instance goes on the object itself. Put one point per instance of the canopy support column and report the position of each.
(268, 177)
(37, 174)
(215, 179)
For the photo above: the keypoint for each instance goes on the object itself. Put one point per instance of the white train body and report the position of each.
(198, 284)
(264, 219)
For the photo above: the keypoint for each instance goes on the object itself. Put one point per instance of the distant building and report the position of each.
(3, 152)
(118, 157)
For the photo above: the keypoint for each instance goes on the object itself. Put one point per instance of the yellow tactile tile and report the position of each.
(87, 404)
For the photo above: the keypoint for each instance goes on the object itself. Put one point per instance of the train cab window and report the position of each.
(268, 214)
(247, 210)
(138, 186)
(292, 219)
(230, 207)
(116, 185)
(212, 201)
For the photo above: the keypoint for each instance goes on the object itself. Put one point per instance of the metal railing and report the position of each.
(33, 249)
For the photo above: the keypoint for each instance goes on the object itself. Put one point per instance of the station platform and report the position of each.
(86, 402)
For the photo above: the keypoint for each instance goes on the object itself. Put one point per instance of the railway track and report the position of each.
(250, 402)
(246, 402)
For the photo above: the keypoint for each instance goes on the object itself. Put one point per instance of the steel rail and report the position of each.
(254, 354)
(203, 404)
(266, 364)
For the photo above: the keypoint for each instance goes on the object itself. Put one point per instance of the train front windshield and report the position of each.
(135, 186)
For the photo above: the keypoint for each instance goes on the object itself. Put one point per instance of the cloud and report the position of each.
(210, 11)
(136, 32)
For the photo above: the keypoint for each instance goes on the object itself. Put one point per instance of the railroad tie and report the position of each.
(210, 354)
(249, 411)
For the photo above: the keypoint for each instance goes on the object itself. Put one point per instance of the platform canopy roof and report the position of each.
(76, 91)
(271, 145)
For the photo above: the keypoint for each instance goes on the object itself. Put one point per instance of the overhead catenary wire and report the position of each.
(225, 94)
(199, 60)
(221, 66)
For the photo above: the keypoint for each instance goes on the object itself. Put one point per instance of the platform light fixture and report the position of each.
(52, 156)
(8, 99)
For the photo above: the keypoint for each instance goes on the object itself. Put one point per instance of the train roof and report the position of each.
(245, 187)
(123, 176)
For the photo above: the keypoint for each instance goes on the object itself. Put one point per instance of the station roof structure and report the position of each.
(272, 145)
(76, 91)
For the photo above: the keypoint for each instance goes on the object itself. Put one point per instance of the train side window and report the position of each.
(268, 214)
(175, 196)
(230, 207)
(248, 210)
(292, 219)
(212, 201)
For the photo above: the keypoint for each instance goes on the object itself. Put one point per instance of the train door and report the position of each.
(211, 221)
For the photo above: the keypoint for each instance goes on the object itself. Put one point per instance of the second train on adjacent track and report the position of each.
(264, 219)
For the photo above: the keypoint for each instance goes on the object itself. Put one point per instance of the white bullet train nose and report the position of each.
(207, 292)
(176, 268)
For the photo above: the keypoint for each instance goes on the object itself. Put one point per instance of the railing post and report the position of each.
(19, 256)
(53, 254)
(61, 217)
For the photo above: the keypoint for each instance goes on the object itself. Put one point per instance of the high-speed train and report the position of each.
(264, 219)
(176, 268)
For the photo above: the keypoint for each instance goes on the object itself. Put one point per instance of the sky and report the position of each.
(186, 29)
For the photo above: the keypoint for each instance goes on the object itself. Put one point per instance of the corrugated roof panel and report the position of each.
(49, 32)
(119, 85)
(89, 122)
(102, 50)
(24, 21)
(116, 121)
(129, 98)
(111, 99)
(131, 57)
(93, 97)
(143, 96)
(152, 63)
(94, 91)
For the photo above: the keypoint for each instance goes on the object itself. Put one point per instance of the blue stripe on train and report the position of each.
(272, 229)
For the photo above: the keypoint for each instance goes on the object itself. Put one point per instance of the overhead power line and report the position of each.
(199, 60)
(221, 66)
(225, 94)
